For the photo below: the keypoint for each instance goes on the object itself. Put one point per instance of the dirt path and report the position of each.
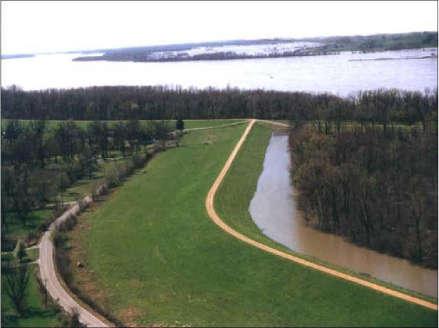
(59, 292)
(209, 203)
(216, 127)
(54, 284)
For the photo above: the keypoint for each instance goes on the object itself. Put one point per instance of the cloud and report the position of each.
(57, 26)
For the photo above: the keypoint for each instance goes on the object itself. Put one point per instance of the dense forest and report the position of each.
(326, 45)
(380, 42)
(375, 186)
(157, 103)
(39, 162)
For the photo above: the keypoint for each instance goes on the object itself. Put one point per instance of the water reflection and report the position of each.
(273, 209)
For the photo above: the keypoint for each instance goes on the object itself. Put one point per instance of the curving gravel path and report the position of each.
(60, 293)
(209, 203)
(54, 284)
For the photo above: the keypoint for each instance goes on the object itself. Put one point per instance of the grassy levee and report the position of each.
(234, 211)
(363, 307)
(156, 258)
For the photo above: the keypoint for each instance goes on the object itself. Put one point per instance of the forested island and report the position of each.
(268, 48)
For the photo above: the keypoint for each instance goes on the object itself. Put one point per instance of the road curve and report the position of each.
(49, 276)
(209, 203)
(48, 271)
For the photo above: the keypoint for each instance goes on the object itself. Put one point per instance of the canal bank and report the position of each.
(273, 209)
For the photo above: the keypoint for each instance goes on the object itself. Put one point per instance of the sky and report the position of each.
(48, 26)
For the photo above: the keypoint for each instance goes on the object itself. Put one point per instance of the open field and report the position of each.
(152, 255)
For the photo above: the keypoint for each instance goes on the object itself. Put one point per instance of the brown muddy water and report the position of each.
(273, 209)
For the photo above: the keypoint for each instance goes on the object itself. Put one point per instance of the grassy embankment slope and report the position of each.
(155, 256)
(85, 186)
(38, 316)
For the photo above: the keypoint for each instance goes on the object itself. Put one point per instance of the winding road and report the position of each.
(69, 302)
(54, 283)
(209, 203)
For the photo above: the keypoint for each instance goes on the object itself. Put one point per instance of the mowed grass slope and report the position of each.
(159, 259)
(234, 196)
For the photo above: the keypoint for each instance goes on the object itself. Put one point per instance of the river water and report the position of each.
(341, 74)
(273, 209)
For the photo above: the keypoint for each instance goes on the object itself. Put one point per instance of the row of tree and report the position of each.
(35, 143)
(38, 161)
(377, 189)
(219, 55)
(122, 103)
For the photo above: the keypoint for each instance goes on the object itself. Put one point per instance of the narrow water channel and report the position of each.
(273, 209)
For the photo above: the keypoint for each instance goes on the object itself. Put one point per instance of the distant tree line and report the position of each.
(381, 42)
(376, 187)
(157, 103)
(219, 55)
(326, 45)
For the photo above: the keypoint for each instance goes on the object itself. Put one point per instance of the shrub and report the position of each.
(67, 224)
(20, 251)
(112, 176)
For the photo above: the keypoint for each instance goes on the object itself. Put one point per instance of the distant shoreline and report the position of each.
(432, 56)
(17, 56)
(205, 57)
(268, 48)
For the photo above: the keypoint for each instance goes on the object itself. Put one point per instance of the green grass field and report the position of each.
(157, 258)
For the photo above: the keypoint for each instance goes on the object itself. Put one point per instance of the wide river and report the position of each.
(340, 74)
(273, 209)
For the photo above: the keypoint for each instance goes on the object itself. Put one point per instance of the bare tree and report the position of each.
(17, 281)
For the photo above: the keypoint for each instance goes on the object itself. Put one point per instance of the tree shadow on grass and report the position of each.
(33, 312)
(9, 320)
(13, 320)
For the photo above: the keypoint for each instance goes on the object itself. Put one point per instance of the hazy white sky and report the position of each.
(28, 27)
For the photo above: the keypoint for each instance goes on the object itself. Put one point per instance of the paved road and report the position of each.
(68, 302)
(48, 273)
(54, 285)
(209, 203)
